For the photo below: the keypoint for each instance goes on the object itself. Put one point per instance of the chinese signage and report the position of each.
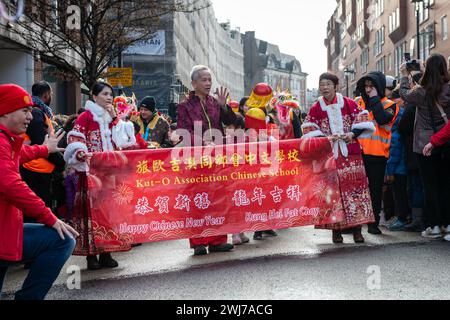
(158, 195)
(120, 77)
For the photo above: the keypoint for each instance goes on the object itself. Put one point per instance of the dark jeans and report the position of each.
(400, 189)
(435, 173)
(415, 189)
(375, 170)
(48, 253)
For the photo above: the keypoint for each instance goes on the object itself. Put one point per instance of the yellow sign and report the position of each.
(120, 77)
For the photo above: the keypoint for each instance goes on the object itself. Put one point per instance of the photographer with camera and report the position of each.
(431, 99)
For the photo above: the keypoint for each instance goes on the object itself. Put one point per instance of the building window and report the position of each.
(424, 10)
(379, 41)
(348, 20)
(399, 56)
(359, 6)
(353, 42)
(389, 58)
(444, 28)
(394, 20)
(342, 30)
(364, 60)
(353, 67)
(360, 31)
(427, 41)
(344, 53)
(380, 66)
(379, 7)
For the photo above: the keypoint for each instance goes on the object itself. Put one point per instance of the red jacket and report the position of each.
(442, 137)
(16, 198)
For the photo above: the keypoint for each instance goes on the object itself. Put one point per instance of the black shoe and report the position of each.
(357, 236)
(92, 263)
(258, 235)
(270, 233)
(374, 230)
(200, 251)
(337, 237)
(107, 261)
(224, 247)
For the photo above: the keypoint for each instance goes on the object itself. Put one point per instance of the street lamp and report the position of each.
(348, 72)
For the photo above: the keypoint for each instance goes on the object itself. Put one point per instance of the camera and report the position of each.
(411, 65)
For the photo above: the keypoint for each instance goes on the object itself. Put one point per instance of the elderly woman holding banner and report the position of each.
(340, 119)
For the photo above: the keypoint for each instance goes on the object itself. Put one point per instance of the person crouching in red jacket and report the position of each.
(46, 245)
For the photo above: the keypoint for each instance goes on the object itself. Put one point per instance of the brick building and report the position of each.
(367, 35)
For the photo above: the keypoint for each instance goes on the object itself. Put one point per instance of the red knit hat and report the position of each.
(12, 98)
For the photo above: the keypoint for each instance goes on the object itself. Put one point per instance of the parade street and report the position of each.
(299, 264)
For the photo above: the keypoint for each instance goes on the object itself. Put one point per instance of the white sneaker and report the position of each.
(383, 222)
(447, 230)
(447, 238)
(434, 233)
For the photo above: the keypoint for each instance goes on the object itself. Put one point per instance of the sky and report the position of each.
(298, 27)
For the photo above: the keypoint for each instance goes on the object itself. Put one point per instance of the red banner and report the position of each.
(168, 194)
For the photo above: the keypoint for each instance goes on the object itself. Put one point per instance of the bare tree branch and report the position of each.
(96, 31)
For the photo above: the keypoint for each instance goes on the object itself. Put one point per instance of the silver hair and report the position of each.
(195, 73)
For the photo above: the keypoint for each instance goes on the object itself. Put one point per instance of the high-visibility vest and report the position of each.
(379, 143)
(40, 165)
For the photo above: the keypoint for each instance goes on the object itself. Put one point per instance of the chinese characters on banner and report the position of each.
(158, 195)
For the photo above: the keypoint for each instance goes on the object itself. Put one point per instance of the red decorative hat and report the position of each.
(12, 98)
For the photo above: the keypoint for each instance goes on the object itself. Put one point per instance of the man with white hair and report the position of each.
(203, 109)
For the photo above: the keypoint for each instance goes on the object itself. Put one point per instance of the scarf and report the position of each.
(42, 106)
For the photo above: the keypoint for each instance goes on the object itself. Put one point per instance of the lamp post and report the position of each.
(417, 4)
(348, 72)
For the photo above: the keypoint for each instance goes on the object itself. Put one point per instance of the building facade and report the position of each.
(21, 65)
(190, 39)
(368, 35)
(263, 62)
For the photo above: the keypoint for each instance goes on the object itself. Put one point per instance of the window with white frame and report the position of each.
(389, 62)
(364, 60)
(359, 6)
(379, 41)
(360, 31)
(444, 28)
(380, 65)
(353, 42)
(342, 30)
(353, 67)
(348, 19)
(399, 57)
(379, 7)
(394, 20)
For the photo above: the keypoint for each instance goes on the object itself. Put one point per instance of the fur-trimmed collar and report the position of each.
(339, 103)
(103, 118)
(99, 113)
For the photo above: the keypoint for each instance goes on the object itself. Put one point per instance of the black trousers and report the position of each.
(39, 183)
(435, 174)
(400, 188)
(375, 170)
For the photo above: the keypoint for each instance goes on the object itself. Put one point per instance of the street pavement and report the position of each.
(396, 272)
(174, 259)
